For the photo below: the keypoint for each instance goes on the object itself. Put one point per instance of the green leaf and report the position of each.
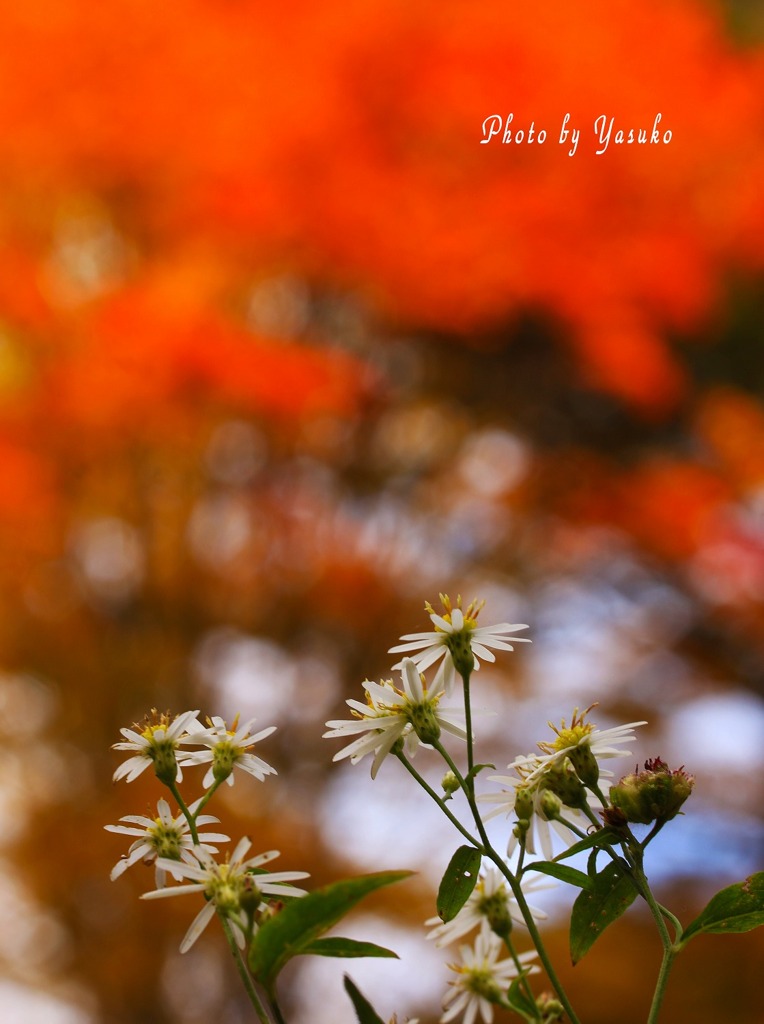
(303, 920)
(458, 882)
(337, 945)
(602, 837)
(364, 1011)
(472, 773)
(520, 1002)
(612, 893)
(563, 872)
(738, 908)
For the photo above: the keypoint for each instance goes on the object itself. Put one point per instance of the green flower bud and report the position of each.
(224, 756)
(523, 802)
(655, 794)
(551, 805)
(424, 722)
(165, 764)
(522, 825)
(585, 764)
(450, 784)
(496, 911)
(563, 781)
(251, 897)
(551, 1009)
(461, 651)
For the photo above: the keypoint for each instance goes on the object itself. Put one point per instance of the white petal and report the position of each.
(412, 682)
(198, 925)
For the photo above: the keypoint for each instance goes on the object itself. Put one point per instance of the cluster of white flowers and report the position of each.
(554, 792)
(160, 741)
(560, 787)
(237, 889)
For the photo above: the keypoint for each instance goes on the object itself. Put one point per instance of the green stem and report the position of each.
(522, 974)
(533, 931)
(190, 818)
(488, 851)
(438, 800)
(207, 796)
(659, 914)
(244, 974)
(678, 929)
(277, 1012)
(468, 730)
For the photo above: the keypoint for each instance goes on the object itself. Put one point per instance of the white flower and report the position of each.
(491, 907)
(585, 746)
(224, 887)
(411, 714)
(482, 979)
(163, 836)
(228, 748)
(530, 785)
(156, 741)
(458, 639)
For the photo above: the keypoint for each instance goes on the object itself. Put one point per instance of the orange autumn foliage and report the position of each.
(344, 141)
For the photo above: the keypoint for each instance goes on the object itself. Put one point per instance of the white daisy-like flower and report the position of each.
(226, 887)
(458, 639)
(227, 748)
(412, 714)
(156, 741)
(584, 745)
(163, 836)
(481, 979)
(530, 787)
(491, 907)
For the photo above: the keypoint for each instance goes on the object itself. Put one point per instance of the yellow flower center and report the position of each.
(470, 613)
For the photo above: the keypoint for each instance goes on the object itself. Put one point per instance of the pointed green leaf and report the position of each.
(472, 773)
(458, 882)
(602, 837)
(364, 1011)
(563, 872)
(738, 908)
(520, 1002)
(612, 892)
(337, 945)
(304, 920)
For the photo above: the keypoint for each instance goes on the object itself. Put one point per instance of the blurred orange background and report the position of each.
(285, 350)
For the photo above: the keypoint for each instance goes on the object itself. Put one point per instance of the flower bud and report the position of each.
(551, 805)
(655, 794)
(522, 825)
(224, 755)
(461, 652)
(424, 722)
(165, 763)
(551, 1009)
(498, 917)
(523, 802)
(563, 781)
(585, 764)
(450, 784)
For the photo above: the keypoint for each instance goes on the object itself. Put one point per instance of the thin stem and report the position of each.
(678, 929)
(522, 974)
(659, 914)
(277, 1012)
(244, 974)
(468, 730)
(488, 851)
(208, 796)
(533, 931)
(190, 818)
(438, 800)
